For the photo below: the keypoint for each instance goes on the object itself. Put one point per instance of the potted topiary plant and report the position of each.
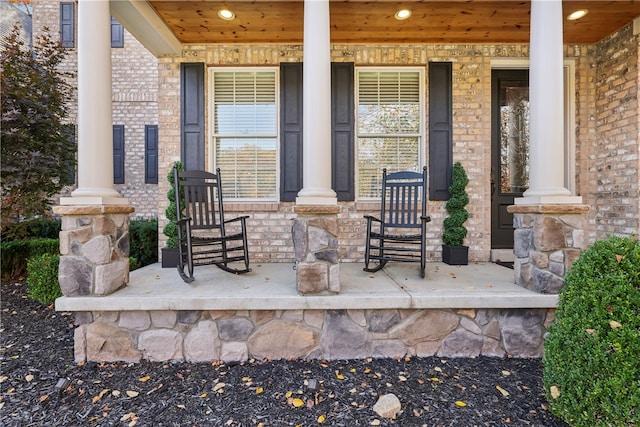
(453, 250)
(170, 254)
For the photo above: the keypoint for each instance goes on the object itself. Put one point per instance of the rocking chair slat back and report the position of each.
(403, 200)
(203, 203)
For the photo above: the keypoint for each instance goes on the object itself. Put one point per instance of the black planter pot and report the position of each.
(170, 257)
(455, 255)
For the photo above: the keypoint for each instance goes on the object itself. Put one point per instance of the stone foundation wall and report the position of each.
(204, 336)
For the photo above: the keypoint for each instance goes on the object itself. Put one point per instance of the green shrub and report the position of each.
(454, 229)
(144, 241)
(134, 264)
(15, 254)
(170, 229)
(592, 353)
(44, 228)
(42, 278)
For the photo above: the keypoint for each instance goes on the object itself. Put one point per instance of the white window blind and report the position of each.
(389, 125)
(245, 133)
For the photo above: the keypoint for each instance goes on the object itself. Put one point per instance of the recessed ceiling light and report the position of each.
(226, 14)
(402, 14)
(577, 14)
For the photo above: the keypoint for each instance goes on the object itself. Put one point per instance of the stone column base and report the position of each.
(94, 249)
(315, 243)
(547, 240)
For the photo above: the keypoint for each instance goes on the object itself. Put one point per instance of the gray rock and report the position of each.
(387, 406)
(75, 275)
(235, 328)
(343, 338)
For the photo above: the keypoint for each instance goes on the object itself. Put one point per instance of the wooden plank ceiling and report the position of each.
(372, 21)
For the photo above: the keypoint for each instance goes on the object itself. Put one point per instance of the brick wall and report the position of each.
(135, 103)
(613, 155)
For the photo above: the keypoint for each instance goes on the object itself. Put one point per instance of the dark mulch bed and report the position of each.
(37, 357)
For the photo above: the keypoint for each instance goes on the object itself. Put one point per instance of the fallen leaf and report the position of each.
(375, 422)
(367, 370)
(44, 397)
(591, 331)
(219, 387)
(460, 403)
(619, 258)
(132, 393)
(259, 390)
(615, 325)
(203, 395)
(504, 392)
(434, 379)
(29, 378)
(288, 394)
(3, 378)
(181, 406)
(128, 417)
(402, 378)
(99, 396)
(352, 370)
(321, 419)
(339, 375)
(144, 379)
(297, 402)
(506, 373)
(437, 369)
(555, 392)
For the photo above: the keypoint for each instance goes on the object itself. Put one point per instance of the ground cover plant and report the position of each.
(41, 385)
(592, 353)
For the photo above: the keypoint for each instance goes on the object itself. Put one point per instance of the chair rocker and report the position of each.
(205, 237)
(399, 233)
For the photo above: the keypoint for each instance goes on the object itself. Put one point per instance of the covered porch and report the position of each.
(456, 311)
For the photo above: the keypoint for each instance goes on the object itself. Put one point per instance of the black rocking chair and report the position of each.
(399, 233)
(204, 236)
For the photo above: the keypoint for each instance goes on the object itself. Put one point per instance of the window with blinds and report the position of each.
(389, 124)
(245, 132)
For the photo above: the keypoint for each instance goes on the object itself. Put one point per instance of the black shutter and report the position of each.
(117, 33)
(440, 130)
(151, 154)
(342, 124)
(67, 24)
(192, 115)
(118, 154)
(290, 130)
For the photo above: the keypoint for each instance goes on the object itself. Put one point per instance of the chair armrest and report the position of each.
(183, 221)
(372, 218)
(240, 218)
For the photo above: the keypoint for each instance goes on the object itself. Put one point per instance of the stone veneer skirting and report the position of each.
(204, 336)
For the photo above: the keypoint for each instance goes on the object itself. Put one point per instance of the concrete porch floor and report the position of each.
(273, 287)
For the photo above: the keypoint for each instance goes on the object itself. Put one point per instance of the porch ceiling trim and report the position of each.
(142, 21)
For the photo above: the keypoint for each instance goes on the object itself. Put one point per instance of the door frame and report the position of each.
(569, 72)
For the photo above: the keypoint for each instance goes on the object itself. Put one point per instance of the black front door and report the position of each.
(509, 149)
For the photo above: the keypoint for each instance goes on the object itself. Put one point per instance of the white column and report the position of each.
(317, 107)
(95, 133)
(546, 107)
